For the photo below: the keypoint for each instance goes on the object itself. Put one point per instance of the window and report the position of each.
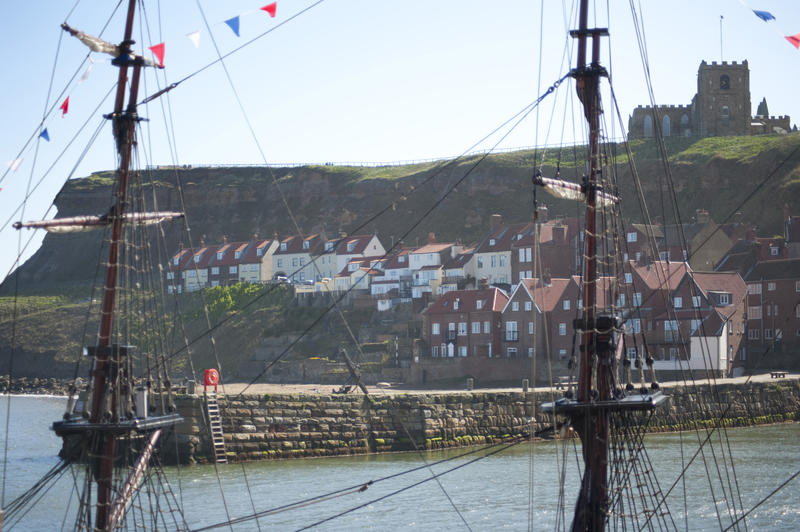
(637, 299)
(215, 283)
(515, 306)
(797, 286)
(283, 246)
(219, 255)
(562, 354)
(494, 261)
(753, 334)
(192, 273)
(294, 263)
(631, 237)
(486, 327)
(632, 353)
(530, 327)
(522, 254)
(625, 257)
(232, 269)
(565, 304)
(696, 301)
(695, 324)
(528, 306)
(351, 246)
(512, 334)
(724, 82)
(502, 260)
(456, 303)
(724, 299)
(170, 275)
(731, 327)
(773, 251)
(580, 304)
(462, 350)
(215, 270)
(767, 334)
(196, 259)
(670, 330)
(462, 328)
(479, 304)
(492, 241)
(677, 302)
(638, 255)
(302, 261)
(306, 244)
(673, 353)
(260, 251)
(771, 286)
(280, 263)
(176, 260)
(754, 312)
(435, 328)
(726, 112)
(530, 352)
(480, 262)
(435, 351)
(237, 255)
(664, 255)
(636, 326)
(621, 300)
(511, 352)
(628, 277)
(562, 329)
(754, 288)
(476, 327)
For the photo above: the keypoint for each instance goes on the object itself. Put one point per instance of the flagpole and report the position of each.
(721, 56)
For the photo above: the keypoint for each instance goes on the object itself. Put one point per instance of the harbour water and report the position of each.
(490, 493)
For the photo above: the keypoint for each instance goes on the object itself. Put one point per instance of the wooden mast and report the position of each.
(106, 358)
(591, 422)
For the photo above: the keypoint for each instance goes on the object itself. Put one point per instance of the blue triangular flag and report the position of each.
(45, 135)
(234, 24)
(766, 16)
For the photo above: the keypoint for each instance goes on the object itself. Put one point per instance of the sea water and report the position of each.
(507, 490)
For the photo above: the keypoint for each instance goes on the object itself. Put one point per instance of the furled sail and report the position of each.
(76, 224)
(573, 191)
(97, 44)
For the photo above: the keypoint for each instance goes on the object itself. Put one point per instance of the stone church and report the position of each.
(721, 107)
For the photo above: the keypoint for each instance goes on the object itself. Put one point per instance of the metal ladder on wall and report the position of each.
(215, 427)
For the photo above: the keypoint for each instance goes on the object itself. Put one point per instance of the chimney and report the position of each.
(255, 236)
(701, 216)
(431, 238)
(483, 283)
(224, 239)
(495, 221)
(541, 214)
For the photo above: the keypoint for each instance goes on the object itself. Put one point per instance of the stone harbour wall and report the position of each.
(262, 427)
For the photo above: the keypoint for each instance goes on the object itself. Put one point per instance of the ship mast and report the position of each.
(595, 356)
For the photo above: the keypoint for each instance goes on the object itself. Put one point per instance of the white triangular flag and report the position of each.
(195, 38)
(14, 164)
(87, 71)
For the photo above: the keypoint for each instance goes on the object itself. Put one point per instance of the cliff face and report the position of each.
(715, 174)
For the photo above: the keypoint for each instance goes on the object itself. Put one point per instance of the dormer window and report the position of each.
(351, 246)
(283, 246)
(238, 255)
(306, 244)
(455, 304)
(401, 259)
(353, 267)
(196, 259)
(260, 251)
(176, 260)
(492, 242)
(328, 246)
(628, 278)
(479, 304)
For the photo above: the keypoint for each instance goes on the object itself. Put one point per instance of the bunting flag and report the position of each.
(158, 51)
(64, 106)
(45, 135)
(233, 23)
(195, 38)
(271, 9)
(766, 16)
(87, 71)
(794, 40)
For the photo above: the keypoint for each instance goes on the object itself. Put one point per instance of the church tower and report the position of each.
(722, 104)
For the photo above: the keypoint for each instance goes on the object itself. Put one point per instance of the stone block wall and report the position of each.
(259, 427)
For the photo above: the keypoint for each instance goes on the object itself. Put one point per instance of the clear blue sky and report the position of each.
(358, 81)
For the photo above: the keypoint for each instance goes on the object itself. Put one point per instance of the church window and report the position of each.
(665, 129)
(726, 112)
(724, 82)
(648, 126)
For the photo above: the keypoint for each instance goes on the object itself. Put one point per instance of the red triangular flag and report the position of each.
(158, 51)
(64, 106)
(794, 39)
(271, 9)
